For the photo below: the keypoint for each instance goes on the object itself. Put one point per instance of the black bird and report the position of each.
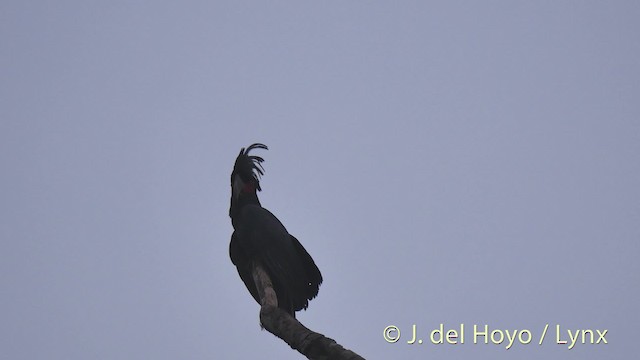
(259, 236)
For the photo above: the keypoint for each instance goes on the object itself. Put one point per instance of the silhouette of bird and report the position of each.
(259, 236)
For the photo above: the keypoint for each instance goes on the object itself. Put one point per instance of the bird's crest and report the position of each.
(249, 167)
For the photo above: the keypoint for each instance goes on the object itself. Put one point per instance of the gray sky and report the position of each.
(443, 162)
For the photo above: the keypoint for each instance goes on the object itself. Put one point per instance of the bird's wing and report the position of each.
(263, 238)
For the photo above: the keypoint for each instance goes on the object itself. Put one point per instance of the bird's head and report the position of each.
(245, 178)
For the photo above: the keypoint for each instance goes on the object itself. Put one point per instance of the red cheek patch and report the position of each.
(248, 187)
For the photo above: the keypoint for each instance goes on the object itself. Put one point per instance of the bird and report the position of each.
(259, 237)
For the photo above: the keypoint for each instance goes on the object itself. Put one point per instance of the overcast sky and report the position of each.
(443, 162)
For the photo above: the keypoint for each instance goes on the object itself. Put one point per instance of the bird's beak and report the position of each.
(237, 187)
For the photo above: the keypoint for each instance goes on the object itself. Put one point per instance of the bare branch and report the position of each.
(278, 322)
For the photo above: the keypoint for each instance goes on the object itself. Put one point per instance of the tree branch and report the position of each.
(309, 343)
